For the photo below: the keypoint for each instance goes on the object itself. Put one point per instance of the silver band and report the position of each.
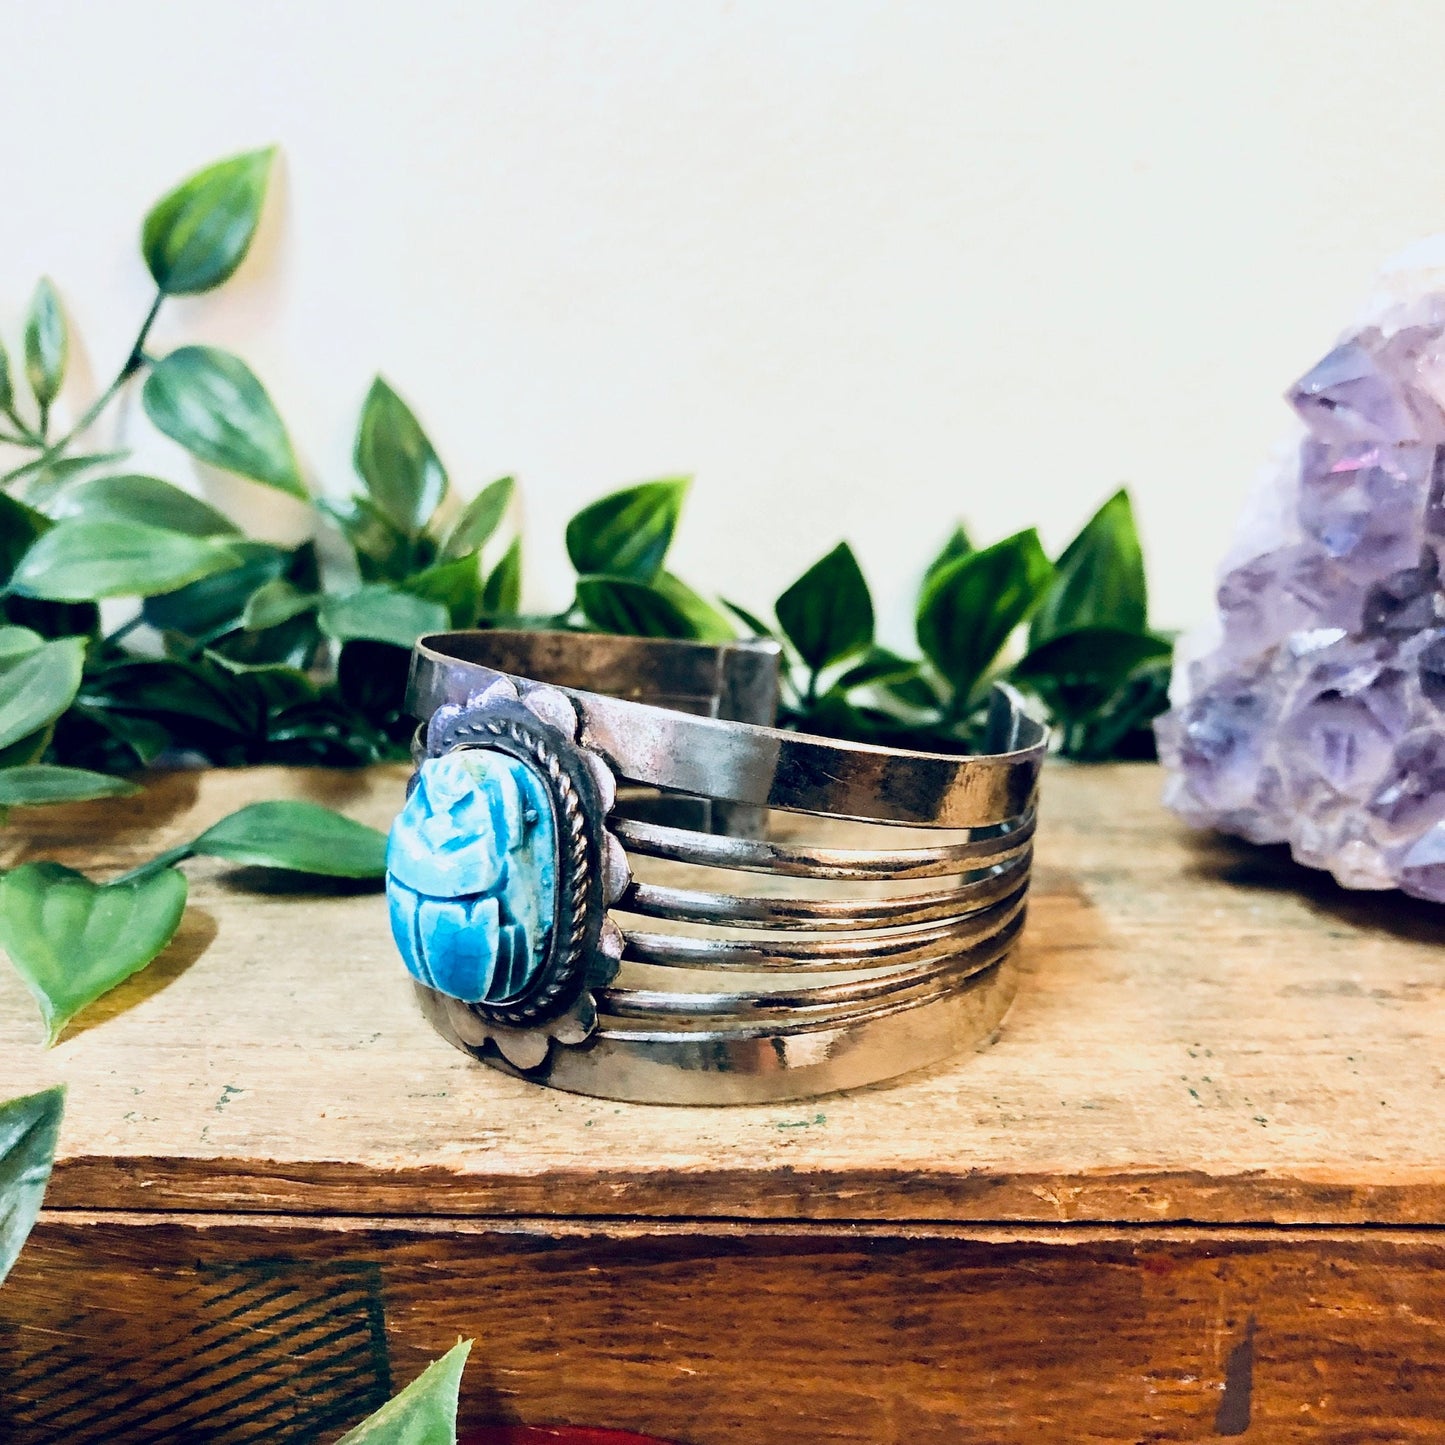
(875, 962)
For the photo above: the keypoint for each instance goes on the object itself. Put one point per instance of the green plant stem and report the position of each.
(125, 629)
(157, 864)
(133, 363)
(31, 438)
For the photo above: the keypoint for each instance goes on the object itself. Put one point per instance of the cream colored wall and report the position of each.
(861, 267)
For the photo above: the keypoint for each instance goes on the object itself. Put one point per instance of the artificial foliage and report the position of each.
(237, 651)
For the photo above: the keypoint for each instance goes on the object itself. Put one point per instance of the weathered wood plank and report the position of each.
(158, 1328)
(1204, 1032)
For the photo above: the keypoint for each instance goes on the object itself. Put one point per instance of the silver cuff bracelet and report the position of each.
(612, 877)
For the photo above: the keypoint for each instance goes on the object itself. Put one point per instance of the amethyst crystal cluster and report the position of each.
(1313, 713)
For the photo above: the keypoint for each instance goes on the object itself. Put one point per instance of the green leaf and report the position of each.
(212, 404)
(123, 740)
(1077, 672)
(707, 622)
(72, 940)
(142, 499)
(20, 527)
(44, 783)
(877, 666)
(457, 585)
(214, 603)
(382, 614)
(29, 1132)
(479, 519)
(38, 687)
(18, 642)
(425, 1413)
(827, 613)
(276, 602)
(195, 691)
(403, 474)
(301, 836)
(1120, 728)
(502, 595)
(64, 469)
(627, 533)
(750, 620)
(972, 605)
(383, 554)
(81, 561)
(635, 609)
(29, 749)
(1099, 580)
(47, 344)
(7, 385)
(958, 545)
(195, 237)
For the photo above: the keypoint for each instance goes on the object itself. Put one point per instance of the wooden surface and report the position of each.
(1192, 1192)
(1204, 1032)
(185, 1328)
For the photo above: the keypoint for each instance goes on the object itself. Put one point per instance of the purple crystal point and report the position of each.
(1315, 712)
(1347, 398)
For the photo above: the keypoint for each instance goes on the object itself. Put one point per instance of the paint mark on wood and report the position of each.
(1232, 1417)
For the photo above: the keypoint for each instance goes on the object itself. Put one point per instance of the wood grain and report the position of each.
(161, 1328)
(1204, 1032)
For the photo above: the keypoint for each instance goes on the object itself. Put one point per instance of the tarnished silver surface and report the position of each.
(873, 963)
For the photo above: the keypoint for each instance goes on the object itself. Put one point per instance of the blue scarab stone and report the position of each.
(472, 876)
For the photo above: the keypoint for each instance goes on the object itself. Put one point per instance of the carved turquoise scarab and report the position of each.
(500, 871)
(472, 876)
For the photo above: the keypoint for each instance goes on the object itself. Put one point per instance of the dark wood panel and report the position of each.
(180, 1328)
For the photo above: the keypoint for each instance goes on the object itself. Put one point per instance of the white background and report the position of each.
(860, 267)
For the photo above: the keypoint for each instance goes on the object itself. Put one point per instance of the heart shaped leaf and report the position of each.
(301, 836)
(81, 561)
(72, 940)
(425, 1413)
(29, 1131)
(196, 236)
(211, 402)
